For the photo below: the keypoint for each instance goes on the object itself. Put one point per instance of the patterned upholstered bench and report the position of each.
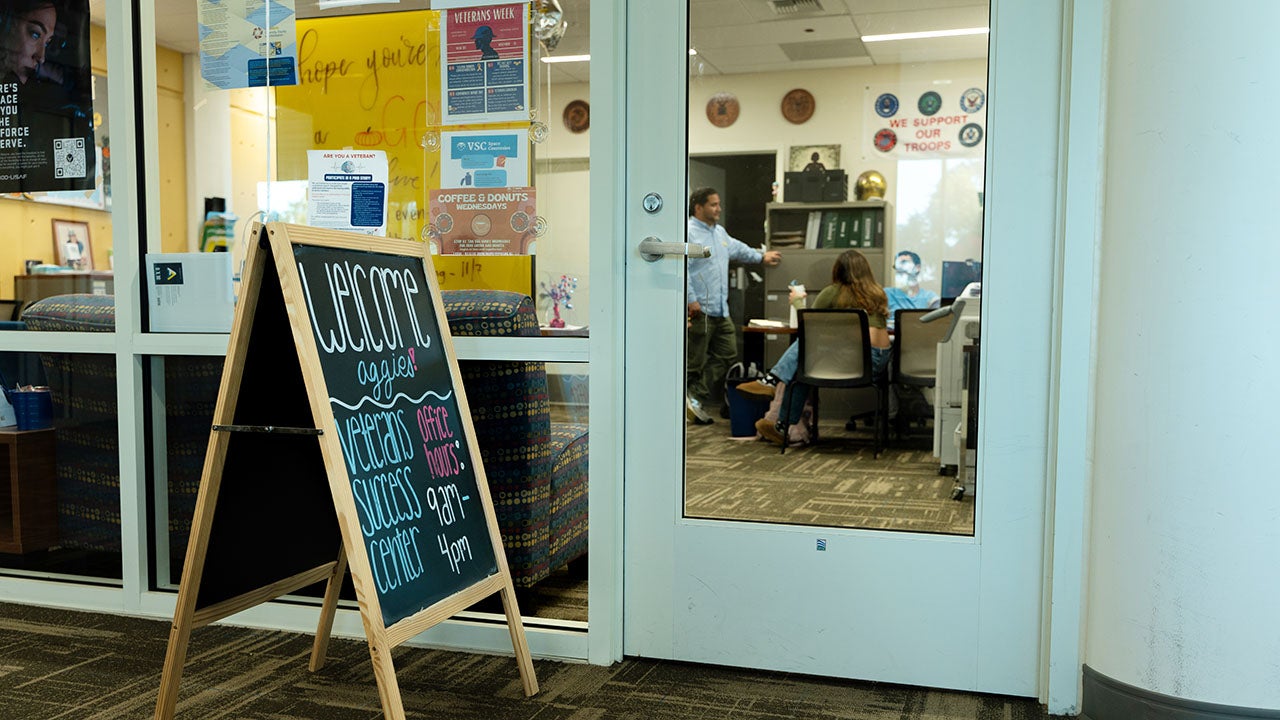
(83, 386)
(537, 469)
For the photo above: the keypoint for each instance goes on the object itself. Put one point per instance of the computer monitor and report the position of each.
(956, 275)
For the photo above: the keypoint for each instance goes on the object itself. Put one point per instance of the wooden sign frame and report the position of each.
(278, 429)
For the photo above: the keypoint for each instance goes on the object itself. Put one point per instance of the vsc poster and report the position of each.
(46, 96)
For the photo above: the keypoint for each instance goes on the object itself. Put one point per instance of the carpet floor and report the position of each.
(58, 664)
(835, 482)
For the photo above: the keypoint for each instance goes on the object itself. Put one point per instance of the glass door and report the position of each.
(715, 572)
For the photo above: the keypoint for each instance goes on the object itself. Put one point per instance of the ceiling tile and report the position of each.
(866, 7)
(923, 20)
(718, 13)
(825, 50)
(932, 50)
(763, 11)
(776, 32)
(792, 65)
(732, 57)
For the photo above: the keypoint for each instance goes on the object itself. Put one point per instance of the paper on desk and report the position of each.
(763, 323)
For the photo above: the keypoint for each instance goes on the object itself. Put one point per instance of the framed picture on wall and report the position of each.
(800, 156)
(71, 244)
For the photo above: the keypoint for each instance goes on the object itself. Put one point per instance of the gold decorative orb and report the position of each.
(870, 184)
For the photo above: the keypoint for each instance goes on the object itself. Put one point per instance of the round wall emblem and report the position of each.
(887, 105)
(971, 134)
(798, 106)
(972, 100)
(577, 116)
(929, 103)
(886, 140)
(722, 109)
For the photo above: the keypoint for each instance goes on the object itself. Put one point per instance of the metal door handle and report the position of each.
(652, 249)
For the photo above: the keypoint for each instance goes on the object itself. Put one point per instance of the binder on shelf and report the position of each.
(866, 235)
(813, 232)
(830, 229)
(845, 225)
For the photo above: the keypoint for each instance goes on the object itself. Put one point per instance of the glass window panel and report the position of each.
(184, 394)
(67, 232)
(370, 80)
(60, 485)
(871, 147)
(60, 500)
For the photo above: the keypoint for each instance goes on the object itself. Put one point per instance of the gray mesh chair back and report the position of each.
(835, 348)
(835, 352)
(915, 357)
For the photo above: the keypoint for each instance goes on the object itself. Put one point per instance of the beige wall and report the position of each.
(29, 225)
(840, 97)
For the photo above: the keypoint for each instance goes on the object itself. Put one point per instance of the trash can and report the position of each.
(744, 408)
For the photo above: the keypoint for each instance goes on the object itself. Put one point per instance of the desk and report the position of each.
(31, 288)
(753, 345)
(28, 491)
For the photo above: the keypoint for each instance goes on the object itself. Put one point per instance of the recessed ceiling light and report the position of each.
(565, 58)
(926, 34)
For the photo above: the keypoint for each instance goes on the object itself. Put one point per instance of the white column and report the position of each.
(1184, 577)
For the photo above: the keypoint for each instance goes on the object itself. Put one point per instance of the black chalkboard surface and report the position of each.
(407, 457)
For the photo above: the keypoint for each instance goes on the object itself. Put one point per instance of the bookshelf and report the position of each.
(861, 225)
(808, 252)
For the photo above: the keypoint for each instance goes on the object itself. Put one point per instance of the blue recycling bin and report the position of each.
(744, 408)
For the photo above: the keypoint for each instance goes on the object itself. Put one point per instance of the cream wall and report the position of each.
(838, 119)
(840, 96)
(29, 224)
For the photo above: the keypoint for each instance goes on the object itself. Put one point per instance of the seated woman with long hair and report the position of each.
(852, 286)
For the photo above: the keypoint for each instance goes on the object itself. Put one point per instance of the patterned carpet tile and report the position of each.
(57, 664)
(835, 482)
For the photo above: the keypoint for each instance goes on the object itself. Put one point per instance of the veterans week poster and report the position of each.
(484, 69)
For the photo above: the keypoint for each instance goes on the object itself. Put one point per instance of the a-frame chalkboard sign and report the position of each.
(342, 437)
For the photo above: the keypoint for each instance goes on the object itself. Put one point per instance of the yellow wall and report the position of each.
(28, 225)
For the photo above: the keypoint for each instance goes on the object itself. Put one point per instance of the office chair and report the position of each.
(915, 350)
(835, 352)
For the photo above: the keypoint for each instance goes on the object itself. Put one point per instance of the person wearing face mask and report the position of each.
(907, 293)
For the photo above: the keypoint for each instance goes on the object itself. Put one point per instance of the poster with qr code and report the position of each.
(46, 97)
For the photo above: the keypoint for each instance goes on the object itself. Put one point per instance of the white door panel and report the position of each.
(957, 612)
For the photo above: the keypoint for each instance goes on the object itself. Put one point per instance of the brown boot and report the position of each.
(769, 432)
(756, 387)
